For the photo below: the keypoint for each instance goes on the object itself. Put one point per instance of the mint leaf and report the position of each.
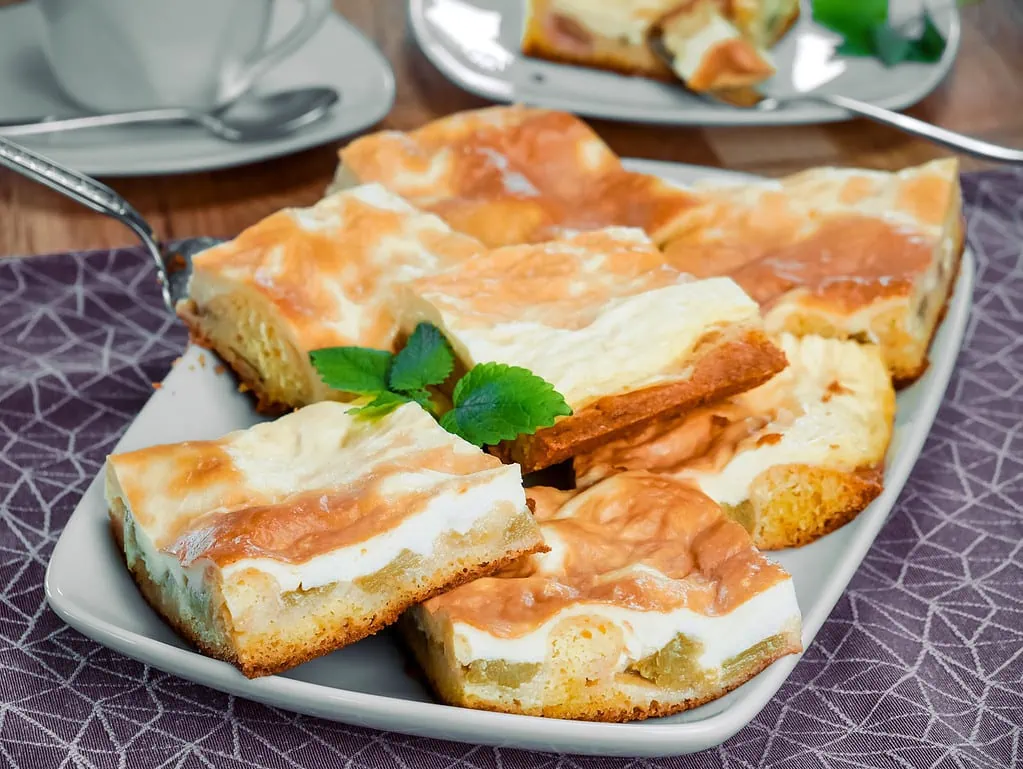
(425, 360)
(930, 46)
(848, 48)
(383, 403)
(854, 20)
(352, 369)
(889, 45)
(495, 402)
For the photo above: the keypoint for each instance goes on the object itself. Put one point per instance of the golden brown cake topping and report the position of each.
(843, 238)
(635, 540)
(311, 482)
(328, 270)
(515, 175)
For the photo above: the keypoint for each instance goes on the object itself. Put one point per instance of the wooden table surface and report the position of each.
(983, 96)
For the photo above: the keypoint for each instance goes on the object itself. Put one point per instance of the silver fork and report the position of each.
(782, 89)
(173, 260)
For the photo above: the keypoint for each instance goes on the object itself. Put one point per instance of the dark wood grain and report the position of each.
(982, 96)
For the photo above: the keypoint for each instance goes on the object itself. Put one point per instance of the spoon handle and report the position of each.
(54, 125)
(87, 191)
(911, 125)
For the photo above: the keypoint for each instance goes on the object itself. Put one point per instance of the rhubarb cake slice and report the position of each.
(509, 175)
(844, 253)
(622, 336)
(716, 44)
(307, 278)
(286, 541)
(650, 601)
(792, 460)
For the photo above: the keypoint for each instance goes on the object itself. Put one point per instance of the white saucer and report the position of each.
(338, 56)
(475, 44)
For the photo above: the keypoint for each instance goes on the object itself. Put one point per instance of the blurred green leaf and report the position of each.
(930, 45)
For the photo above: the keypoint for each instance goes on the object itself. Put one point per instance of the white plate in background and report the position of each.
(366, 684)
(338, 56)
(475, 44)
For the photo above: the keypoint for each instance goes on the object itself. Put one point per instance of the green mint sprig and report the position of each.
(866, 31)
(493, 402)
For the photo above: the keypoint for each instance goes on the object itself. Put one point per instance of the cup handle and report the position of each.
(313, 14)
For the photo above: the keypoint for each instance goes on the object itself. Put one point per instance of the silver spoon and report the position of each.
(812, 64)
(251, 118)
(173, 260)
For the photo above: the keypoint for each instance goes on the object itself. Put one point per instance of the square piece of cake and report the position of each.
(622, 336)
(286, 541)
(791, 460)
(509, 175)
(844, 253)
(306, 278)
(650, 601)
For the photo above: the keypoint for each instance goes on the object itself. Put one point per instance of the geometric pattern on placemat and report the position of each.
(919, 665)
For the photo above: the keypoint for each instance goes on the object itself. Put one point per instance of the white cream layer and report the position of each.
(315, 449)
(633, 342)
(833, 428)
(450, 510)
(645, 632)
(691, 51)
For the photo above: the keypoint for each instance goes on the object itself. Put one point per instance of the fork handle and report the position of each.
(911, 125)
(90, 193)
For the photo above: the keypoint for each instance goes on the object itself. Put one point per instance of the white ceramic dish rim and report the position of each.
(648, 738)
(489, 86)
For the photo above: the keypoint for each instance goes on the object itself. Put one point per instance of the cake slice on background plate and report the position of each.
(715, 45)
(308, 278)
(599, 316)
(650, 601)
(845, 253)
(791, 460)
(286, 541)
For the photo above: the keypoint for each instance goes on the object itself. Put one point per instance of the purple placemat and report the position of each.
(920, 665)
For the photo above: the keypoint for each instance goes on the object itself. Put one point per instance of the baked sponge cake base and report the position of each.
(560, 688)
(284, 542)
(649, 602)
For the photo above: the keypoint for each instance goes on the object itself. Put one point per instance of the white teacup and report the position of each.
(115, 55)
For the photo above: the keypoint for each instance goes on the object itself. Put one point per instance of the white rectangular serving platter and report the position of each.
(367, 684)
(476, 45)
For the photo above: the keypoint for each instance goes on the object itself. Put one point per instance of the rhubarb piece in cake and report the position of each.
(844, 253)
(650, 601)
(792, 460)
(510, 175)
(622, 336)
(307, 278)
(286, 541)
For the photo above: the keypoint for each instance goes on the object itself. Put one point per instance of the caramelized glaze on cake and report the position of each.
(514, 175)
(328, 270)
(842, 238)
(284, 493)
(637, 541)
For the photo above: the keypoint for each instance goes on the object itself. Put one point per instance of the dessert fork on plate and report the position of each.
(173, 259)
(801, 77)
